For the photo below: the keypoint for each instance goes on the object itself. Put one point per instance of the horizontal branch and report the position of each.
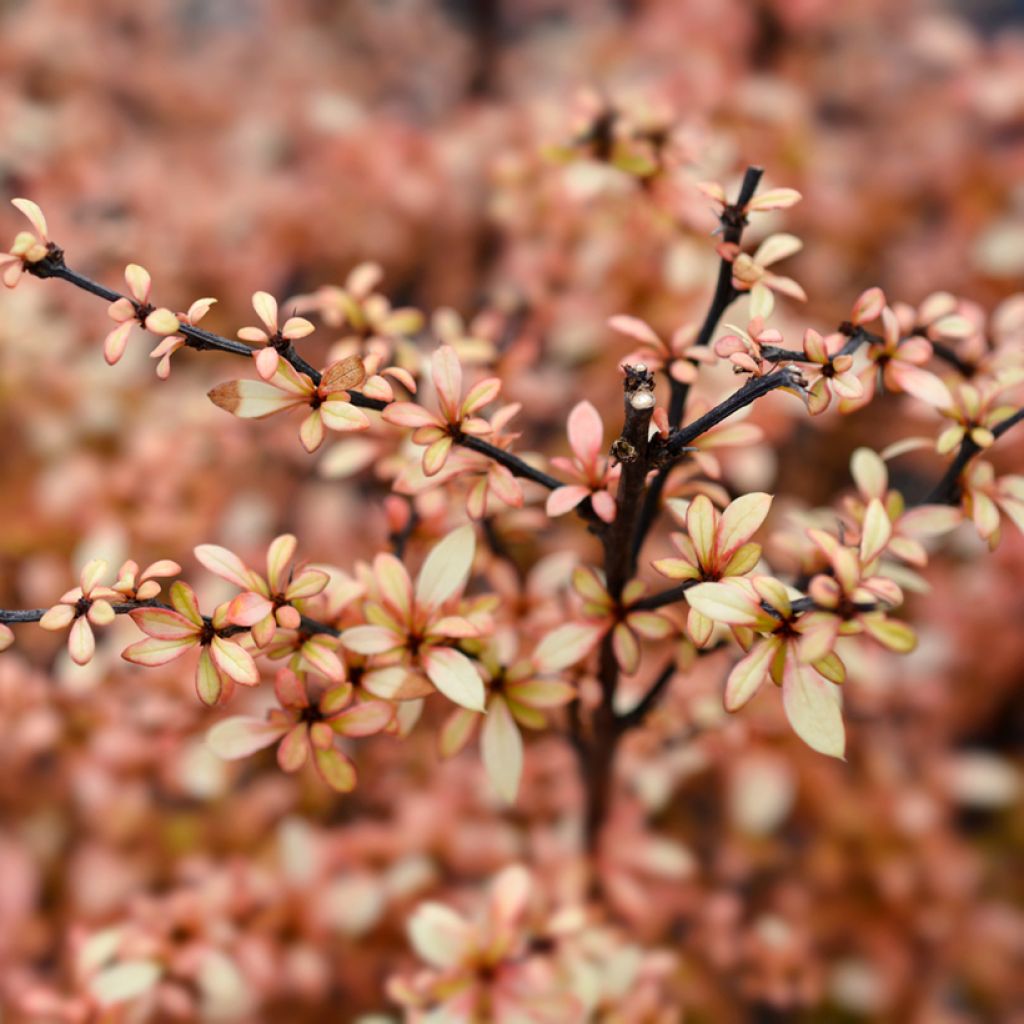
(11, 616)
(755, 388)
(947, 490)
(664, 597)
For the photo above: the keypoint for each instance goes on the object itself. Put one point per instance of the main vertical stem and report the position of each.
(631, 449)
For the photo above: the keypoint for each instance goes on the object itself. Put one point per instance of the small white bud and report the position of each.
(642, 399)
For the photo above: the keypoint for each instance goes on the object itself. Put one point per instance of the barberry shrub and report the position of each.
(534, 596)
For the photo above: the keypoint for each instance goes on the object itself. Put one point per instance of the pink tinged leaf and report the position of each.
(446, 569)
(336, 769)
(777, 247)
(440, 936)
(116, 342)
(749, 673)
(139, 282)
(364, 719)
(296, 327)
(92, 573)
(158, 650)
(290, 690)
(293, 750)
(58, 617)
(476, 500)
(457, 731)
(256, 337)
(263, 631)
(252, 399)
(266, 309)
(266, 360)
(501, 747)
(336, 698)
(565, 499)
(377, 387)
(813, 707)
(875, 531)
(741, 520)
(162, 321)
(921, 384)
(566, 645)
(589, 584)
(343, 416)
(626, 648)
(818, 632)
(480, 395)
(249, 608)
(814, 346)
(985, 514)
(447, 375)
(183, 597)
(305, 584)
(311, 431)
(869, 306)
(101, 613)
(700, 525)
(869, 473)
(370, 640)
(586, 432)
(541, 694)
(6, 637)
(436, 455)
(683, 371)
(774, 199)
(676, 568)
(227, 565)
(527, 717)
(81, 642)
(455, 676)
(714, 191)
(394, 583)
(163, 567)
(235, 662)
(604, 505)
(637, 329)
(455, 627)
(210, 684)
(288, 379)
(700, 627)
(408, 414)
(242, 735)
(32, 211)
(279, 555)
(651, 625)
(916, 350)
(744, 559)
(322, 659)
(847, 385)
(896, 636)
(397, 683)
(722, 602)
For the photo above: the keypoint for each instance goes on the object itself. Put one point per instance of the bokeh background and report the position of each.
(232, 145)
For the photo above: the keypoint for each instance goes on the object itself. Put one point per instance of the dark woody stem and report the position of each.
(13, 616)
(733, 221)
(948, 491)
(597, 755)
(53, 266)
(664, 597)
(195, 337)
(755, 388)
